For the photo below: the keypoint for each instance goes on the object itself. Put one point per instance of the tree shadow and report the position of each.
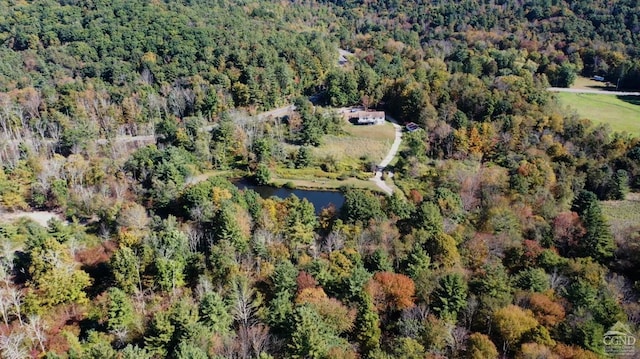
(634, 100)
(604, 86)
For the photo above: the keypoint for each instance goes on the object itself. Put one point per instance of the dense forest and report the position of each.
(128, 117)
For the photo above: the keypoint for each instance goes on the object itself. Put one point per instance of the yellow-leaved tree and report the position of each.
(512, 323)
(55, 278)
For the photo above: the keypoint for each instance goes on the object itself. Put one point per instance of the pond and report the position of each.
(319, 199)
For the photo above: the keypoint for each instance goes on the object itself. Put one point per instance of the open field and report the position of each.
(622, 113)
(623, 214)
(364, 141)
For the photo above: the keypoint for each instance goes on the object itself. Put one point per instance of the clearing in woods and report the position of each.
(622, 113)
(348, 155)
(622, 215)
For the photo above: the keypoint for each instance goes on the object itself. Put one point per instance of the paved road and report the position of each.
(390, 155)
(597, 92)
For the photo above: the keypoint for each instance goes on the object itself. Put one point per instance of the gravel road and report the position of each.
(393, 151)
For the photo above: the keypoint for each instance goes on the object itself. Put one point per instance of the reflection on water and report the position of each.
(319, 199)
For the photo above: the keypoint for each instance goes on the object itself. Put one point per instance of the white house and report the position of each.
(369, 117)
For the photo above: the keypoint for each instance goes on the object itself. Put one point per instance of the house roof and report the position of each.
(369, 114)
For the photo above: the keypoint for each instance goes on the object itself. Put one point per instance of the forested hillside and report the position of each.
(129, 118)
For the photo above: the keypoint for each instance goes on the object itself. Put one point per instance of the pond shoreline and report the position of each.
(318, 197)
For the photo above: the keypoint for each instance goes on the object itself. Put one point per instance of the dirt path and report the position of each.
(40, 217)
(390, 155)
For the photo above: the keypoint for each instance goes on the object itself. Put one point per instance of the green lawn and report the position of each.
(587, 83)
(363, 141)
(621, 113)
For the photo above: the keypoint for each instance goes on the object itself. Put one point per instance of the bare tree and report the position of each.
(15, 296)
(180, 100)
(7, 256)
(74, 245)
(133, 216)
(54, 131)
(121, 336)
(419, 314)
(633, 312)
(469, 312)
(204, 286)
(157, 105)
(558, 280)
(243, 343)
(5, 305)
(364, 241)
(264, 237)
(40, 126)
(622, 288)
(104, 231)
(140, 297)
(457, 340)
(244, 307)
(37, 331)
(253, 340)
(31, 104)
(196, 238)
(119, 188)
(10, 153)
(12, 346)
(199, 212)
(334, 241)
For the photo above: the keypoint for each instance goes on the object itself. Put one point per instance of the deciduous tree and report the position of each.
(511, 323)
(391, 291)
(54, 277)
(479, 346)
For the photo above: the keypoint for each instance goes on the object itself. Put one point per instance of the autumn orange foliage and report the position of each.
(304, 281)
(573, 352)
(391, 291)
(545, 310)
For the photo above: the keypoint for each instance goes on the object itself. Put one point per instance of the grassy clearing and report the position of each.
(347, 156)
(345, 153)
(372, 142)
(587, 83)
(623, 214)
(212, 173)
(326, 183)
(313, 177)
(622, 113)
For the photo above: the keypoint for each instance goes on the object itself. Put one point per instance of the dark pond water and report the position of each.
(319, 199)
